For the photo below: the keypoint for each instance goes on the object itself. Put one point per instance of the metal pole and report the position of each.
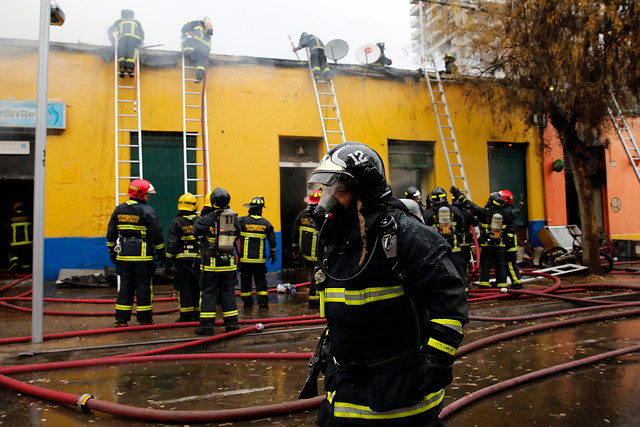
(39, 174)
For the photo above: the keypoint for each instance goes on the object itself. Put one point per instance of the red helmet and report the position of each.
(507, 196)
(314, 197)
(139, 188)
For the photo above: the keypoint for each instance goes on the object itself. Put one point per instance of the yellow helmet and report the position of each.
(207, 200)
(187, 202)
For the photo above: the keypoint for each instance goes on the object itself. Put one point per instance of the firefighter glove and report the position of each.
(434, 374)
(457, 194)
(272, 257)
(113, 256)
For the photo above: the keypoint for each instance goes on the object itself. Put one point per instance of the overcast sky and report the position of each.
(251, 27)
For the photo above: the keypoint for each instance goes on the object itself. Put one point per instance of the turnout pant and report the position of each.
(254, 272)
(224, 282)
(187, 284)
(512, 269)
(319, 64)
(135, 279)
(197, 55)
(493, 256)
(127, 53)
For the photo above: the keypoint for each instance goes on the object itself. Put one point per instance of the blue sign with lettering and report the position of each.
(22, 114)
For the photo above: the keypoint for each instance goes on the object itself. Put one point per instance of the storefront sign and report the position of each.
(22, 114)
(14, 147)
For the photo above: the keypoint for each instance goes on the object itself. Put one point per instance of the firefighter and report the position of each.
(449, 64)
(318, 60)
(470, 222)
(492, 247)
(382, 61)
(196, 44)
(218, 230)
(130, 37)
(414, 194)
(511, 237)
(134, 234)
(394, 303)
(21, 243)
(183, 250)
(304, 241)
(447, 220)
(254, 230)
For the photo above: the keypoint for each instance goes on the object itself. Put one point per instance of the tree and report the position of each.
(563, 59)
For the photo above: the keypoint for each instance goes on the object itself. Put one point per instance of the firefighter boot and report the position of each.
(263, 301)
(204, 331)
(248, 301)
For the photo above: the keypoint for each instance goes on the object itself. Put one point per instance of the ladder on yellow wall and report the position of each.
(128, 129)
(327, 102)
(445, 128)
(629, 144)
(195, 140)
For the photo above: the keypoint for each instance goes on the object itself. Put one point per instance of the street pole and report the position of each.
(39, 175)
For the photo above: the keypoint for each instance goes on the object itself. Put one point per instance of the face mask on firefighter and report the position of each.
(335, 200)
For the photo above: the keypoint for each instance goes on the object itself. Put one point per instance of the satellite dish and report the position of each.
(368, 53)
(336, 49)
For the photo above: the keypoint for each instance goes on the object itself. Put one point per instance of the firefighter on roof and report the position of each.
(254, 231)
(183, 250)
(318, 60)
(394, 303)
(130, 37)
(134, 235)
(196, 44)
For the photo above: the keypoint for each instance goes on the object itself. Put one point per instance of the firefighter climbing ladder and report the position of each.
(195, 141)
(625, 136)
(445, 129)
(128, 135)
(327, 102)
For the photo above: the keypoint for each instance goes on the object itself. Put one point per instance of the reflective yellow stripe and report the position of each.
(349, 410)
(364, 296)
(450, 323)
(441, 346)
(144, 307)
(230, 313)
(262, 293)
(516, 281)
(134, 258)
(245, 294)
(245, 247)
(322, 302)
(207, 315)
(124, 307)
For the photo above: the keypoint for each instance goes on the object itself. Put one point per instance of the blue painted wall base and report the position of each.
(534, 227)
(90, 253)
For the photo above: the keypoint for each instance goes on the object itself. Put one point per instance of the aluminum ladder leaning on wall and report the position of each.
(332, 129)
(629, 144)
(195, 139)
(128, 132)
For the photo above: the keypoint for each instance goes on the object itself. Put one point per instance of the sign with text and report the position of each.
(22, 114)
(14, 147)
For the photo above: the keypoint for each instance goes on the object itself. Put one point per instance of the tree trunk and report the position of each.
(579, 154)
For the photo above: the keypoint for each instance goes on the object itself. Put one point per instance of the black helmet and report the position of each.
(495, 200)
(438, 195)
(126, 14)
(220, 198)
(356, 165)
(256, 202)
(411, 193)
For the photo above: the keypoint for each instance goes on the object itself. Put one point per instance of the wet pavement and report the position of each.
(602, 393)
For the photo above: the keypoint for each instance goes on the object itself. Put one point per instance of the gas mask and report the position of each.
(329, 205)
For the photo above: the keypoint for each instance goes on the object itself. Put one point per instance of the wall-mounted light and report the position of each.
(300, 150)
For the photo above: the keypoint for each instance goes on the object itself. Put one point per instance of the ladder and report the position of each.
(629, 144)
(445, 129)
(195, 140)
(330, 119)
(128, 132)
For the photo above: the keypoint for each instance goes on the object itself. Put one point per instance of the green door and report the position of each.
(507, 171)
(162, 163)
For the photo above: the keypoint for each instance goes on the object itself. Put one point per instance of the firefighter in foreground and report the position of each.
(21, 241)
(511, 237)
(318, 60)
(196, 44)
(130, 37)
(134, 234)
(183, 250)
(394, 303)
(304, 241)
(219, 231)
(254, 230)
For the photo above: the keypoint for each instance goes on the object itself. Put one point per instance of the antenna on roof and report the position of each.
(336, 49)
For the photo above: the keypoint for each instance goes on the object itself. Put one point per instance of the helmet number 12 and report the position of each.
(358, 157)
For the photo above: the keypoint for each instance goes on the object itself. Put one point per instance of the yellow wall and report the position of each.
(250, 105)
